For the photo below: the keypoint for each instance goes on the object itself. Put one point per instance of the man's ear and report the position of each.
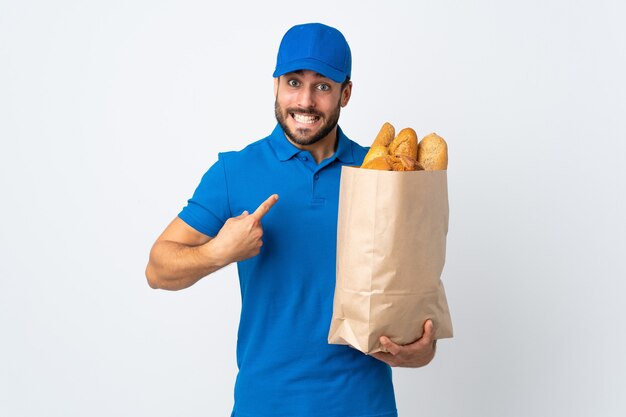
(346, 94)
(276, 86)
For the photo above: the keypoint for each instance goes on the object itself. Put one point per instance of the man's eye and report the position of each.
(293, 83)
(323, 87)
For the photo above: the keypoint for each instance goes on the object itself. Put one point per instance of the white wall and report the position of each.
(110, 111)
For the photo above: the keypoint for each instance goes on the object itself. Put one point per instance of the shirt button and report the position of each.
(316, 177)
(304, 158)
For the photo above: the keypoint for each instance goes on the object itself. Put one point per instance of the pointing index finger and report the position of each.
(265, 206)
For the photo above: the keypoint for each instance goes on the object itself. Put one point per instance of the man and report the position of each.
(285, 248)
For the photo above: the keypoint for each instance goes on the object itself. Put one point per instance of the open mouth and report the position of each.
(304, 118)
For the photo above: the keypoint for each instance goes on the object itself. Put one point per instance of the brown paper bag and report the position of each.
(391, 247)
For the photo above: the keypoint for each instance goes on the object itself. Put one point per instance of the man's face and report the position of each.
(308, 105)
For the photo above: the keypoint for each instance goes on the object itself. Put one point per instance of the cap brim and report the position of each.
(312, 65)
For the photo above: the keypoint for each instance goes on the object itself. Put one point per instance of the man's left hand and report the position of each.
(414, 355)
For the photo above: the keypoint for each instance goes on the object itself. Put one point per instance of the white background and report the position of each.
(110, 112)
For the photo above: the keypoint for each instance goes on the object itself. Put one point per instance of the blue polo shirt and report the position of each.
(286, 366)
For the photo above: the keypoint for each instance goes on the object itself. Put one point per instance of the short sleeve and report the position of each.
(208, 209)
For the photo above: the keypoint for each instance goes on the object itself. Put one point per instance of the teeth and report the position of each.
(301, 118)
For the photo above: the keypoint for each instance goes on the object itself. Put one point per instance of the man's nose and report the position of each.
(306, 98)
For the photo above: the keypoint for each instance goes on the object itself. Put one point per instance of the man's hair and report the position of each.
(345, 83)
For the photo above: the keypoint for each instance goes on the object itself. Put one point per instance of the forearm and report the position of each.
(174, 266)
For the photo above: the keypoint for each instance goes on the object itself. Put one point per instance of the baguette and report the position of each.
(383, 163)
(381, 143)
(375, 151)
(385, 135)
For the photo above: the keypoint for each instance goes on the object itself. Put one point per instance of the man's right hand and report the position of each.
(241, 237)
(181, 255)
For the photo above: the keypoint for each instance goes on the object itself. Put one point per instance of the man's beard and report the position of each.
(300, 137)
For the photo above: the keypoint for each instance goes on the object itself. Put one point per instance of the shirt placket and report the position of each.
(315, 173)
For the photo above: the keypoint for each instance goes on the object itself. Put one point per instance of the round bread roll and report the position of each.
(404, 144)
(432, 152)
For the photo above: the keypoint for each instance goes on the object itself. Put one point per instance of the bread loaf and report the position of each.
(380, 146)
(405, 163)
(382, 163)
(432, 152)
(404, 144)
(405, 152)
(385, 135)
(375, 151)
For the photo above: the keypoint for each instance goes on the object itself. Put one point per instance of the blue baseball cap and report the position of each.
(315, 47)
